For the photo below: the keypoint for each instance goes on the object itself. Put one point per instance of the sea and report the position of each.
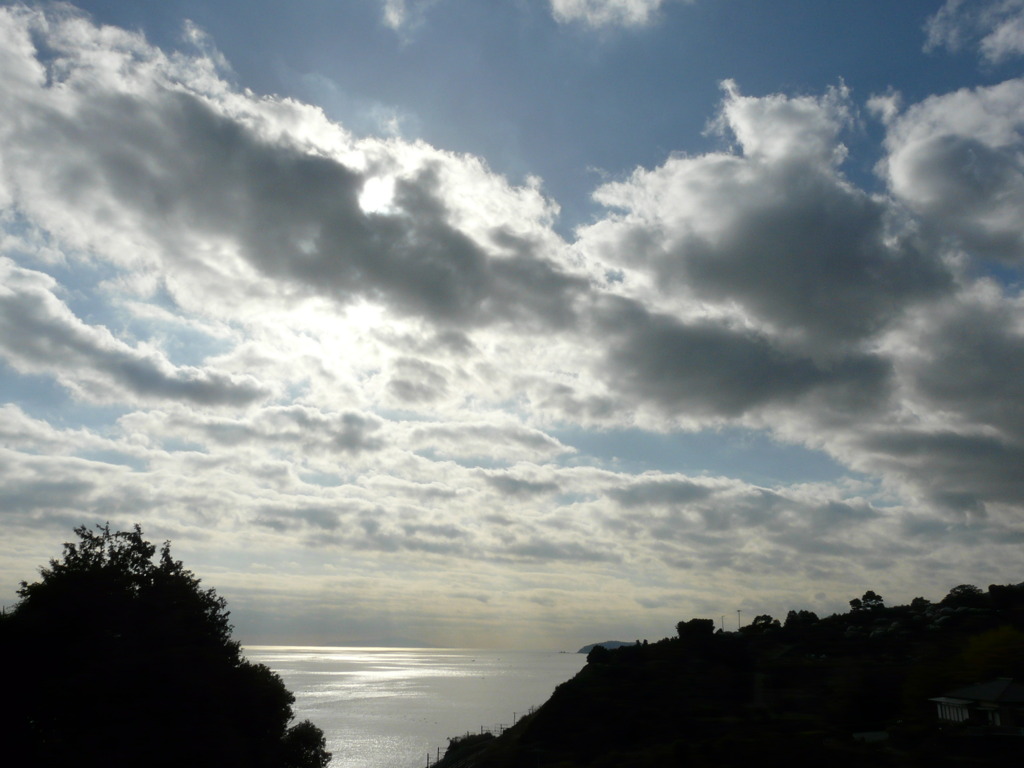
(397, 707)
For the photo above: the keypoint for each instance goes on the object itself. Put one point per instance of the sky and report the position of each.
(520, 323)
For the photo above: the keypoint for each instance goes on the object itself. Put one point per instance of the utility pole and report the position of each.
(739, 611)
(721, 622)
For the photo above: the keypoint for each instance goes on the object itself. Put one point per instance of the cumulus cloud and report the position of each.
(776, 232)
(760, 277)
(955, 159)
(995, 26)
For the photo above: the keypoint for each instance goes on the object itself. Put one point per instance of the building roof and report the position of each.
(1002, 690)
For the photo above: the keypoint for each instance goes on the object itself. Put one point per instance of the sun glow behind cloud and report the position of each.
(378, 195)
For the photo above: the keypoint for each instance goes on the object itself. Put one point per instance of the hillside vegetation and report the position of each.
(118, 657)
(846, 690)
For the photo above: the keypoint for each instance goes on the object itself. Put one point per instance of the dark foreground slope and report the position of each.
(117, 657)
(848, 690)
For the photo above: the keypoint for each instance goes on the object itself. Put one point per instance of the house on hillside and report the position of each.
(997, 705)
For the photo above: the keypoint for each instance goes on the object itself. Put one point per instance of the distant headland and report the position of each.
(609, 644)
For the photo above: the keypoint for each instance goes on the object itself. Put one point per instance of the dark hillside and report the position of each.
(847, 690)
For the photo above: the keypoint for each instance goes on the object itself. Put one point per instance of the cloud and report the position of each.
(39, 334)
(404, 16)
(606, 13)
(405, 346)
(775, 236)
(670, 492)
(970, 357)
(717, 370)
(956, 437)
(955, 160)
(718, 525)
(509, 485)
(304, 429)
(995, 26)
(501, 439)
(222, 190)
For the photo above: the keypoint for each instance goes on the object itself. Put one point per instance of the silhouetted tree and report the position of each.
(872, 601)
(118, 660)
(869, 601)
(920, 603)
(800, 619)
(1008, 597)
(695, 629)
(761, 625)
(965, 596)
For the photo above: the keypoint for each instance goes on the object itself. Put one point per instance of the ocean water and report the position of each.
(394, 707)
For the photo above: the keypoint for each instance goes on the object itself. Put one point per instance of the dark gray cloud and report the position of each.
(971, 362)
(415, 381)
(355, 526)
(661, 492)
(304, 427)
(960, 376)
(507, 485)
(549, 550)
(958, 472)
(728, 526)
(28, 495)
(713, 369)
(814, 256)
(319, 518)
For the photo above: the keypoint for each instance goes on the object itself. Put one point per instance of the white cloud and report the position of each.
(404, 16)
(958, 161)
(39, 334)
(777, 127)
(995, 26)
(604, 13)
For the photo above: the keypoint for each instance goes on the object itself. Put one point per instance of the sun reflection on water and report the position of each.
(390, 707)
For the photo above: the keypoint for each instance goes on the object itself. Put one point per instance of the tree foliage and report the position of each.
(762, 624)
(122, 660)
(870, 601)
(800, 619)
(695, 629)
(965, 595)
